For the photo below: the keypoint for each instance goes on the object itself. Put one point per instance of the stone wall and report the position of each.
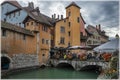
(23, 60)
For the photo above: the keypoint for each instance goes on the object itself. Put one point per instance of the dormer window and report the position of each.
(31, 23)
(27, 24)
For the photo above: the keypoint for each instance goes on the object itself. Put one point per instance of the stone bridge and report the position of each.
(78, 65)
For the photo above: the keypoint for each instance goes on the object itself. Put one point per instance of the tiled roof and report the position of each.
(40, 18)
(99, 31)
(89, 27)
(72, 4)
(15, 28)
(88, 32)
(13, 2)
(13, 11)
(102, 33)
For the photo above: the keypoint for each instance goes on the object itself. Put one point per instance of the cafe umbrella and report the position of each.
(79, 47)
(110, 46)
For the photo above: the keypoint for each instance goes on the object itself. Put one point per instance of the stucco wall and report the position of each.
(6, 8)
(13, 43)
(44, 48)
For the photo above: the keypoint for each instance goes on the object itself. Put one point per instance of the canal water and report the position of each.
(54, 73)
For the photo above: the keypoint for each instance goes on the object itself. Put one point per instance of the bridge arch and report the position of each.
(65, 65)
(5, 62)
(97, 68)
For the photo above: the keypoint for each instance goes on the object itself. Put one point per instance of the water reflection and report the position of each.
(54, 73)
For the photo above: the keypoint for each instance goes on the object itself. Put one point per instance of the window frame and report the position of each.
(69, 33)
(69, 24)
(78, 19)
(69, 13)
(62, 40)
(43, 40)
(32, 23)
(47, 41)
(62, 29)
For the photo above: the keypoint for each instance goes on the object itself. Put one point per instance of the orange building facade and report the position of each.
(68, 30)
(43, 38)
(16, 40)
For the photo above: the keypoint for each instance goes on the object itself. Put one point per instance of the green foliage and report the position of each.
(114, 62)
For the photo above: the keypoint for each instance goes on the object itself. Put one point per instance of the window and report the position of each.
(14, 14)
(47, 41)
(89, 42)
(69, 33)
(31, 23)
(44, 28)
(24, 37)
(43, 54)
(69, 13)
(5, 19)
(19, 24)
(43, 41)
(3, 32)
(78, 20)
(62, 40)
(19, 13)
(81, 33)
(36, 24)
(69, 24)
(27, 24)
(99, 38)
(62, 29)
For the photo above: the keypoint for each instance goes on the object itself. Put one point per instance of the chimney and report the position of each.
(38, 11)
(54, 16)
(61, 16)
(99, 27)
(31, 5)
(96, 27)
(58, 16)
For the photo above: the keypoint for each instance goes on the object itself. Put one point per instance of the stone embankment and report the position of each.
(21, 62)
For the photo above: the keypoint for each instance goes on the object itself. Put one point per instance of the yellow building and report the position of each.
(67, 30)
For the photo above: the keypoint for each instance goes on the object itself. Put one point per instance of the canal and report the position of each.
(54, 73)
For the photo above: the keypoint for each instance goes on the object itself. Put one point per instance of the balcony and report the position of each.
(83, 37)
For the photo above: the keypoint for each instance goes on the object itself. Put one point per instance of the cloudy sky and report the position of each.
(102, 12)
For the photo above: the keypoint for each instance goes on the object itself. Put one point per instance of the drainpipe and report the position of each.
(38, 45)
(49, 46)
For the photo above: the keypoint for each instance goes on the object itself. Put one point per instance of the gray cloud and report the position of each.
(105, 13)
